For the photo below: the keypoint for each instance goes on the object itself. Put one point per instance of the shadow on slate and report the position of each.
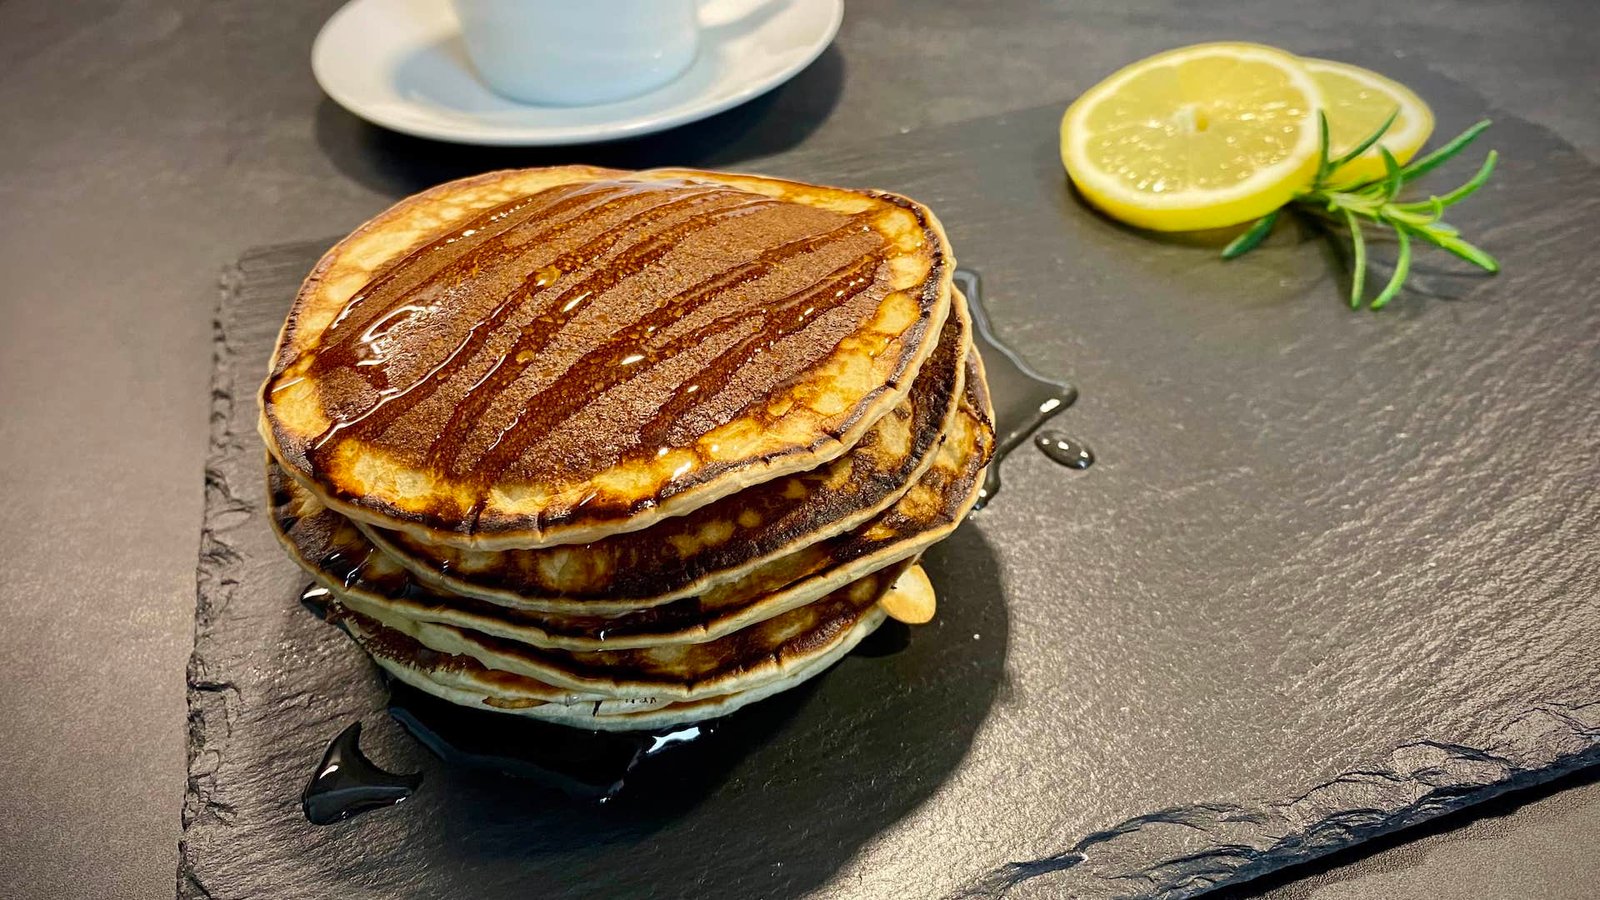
(1333, 574)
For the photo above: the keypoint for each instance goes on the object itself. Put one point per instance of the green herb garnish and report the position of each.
(1376, 203)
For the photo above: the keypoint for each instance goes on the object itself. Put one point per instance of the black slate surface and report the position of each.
(1332, 574)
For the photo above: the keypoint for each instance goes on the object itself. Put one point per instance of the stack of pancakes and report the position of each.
(625, 450)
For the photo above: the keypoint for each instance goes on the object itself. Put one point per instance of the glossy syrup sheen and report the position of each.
(347, 784)
(1059, 448)
(469, 356)
(584, 765)
(1023, 399)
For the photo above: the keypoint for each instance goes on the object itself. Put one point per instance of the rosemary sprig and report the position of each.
(1375, 203)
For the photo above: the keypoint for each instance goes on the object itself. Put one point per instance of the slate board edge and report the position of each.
(212, 697)
(1419, 780)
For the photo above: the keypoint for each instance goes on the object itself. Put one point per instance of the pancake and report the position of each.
(551, 356)
(719, 543)
(625, 450)
(766, 651)
(340, 557)
(464, 681)
(336, 553)
(455, 672)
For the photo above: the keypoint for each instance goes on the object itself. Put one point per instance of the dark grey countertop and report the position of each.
(146, 144)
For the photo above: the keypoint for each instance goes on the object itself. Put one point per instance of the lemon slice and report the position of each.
(1357, 101)
(1199, 137)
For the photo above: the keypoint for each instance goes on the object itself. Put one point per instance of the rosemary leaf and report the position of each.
(1323, 166)
(1472, 185)
(1402, 268)
(1252, 236)
(1420, 167)
(1450, 243)
(1393, 182)
(1358, 268)
(1367, 142)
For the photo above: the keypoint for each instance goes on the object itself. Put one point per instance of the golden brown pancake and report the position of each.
(698, 553)
(547, 356)
(624, 449)
(467, 682)
(755, 655)
(340, 557)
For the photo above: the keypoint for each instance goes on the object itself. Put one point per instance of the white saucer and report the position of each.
(401, 64)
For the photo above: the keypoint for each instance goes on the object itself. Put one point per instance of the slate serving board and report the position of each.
(1334, 573)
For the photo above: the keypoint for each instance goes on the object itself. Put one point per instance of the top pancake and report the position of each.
(549, 356)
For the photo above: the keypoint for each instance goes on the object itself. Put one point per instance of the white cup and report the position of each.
(578, 52)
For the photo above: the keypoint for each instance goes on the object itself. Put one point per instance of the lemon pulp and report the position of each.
(1194, 138)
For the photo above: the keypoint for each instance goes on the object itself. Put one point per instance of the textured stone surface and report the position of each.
(147, 143)
(1525, 843)
(1332, 574)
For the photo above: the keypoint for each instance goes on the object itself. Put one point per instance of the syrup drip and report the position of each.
(1064, 450)
(347, 784)
(1023, 399)
(584, 765)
